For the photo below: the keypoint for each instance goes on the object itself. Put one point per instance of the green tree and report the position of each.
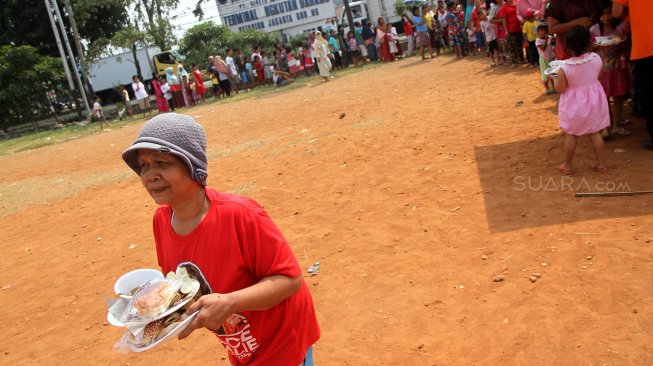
(299, 40)
(400, 7)
(155, 15)
(130, 37)
(249, 38)
(207, 38)
(26, 22)
(203, 40)
(25, 77)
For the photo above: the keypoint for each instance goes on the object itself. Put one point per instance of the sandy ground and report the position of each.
(436, 181)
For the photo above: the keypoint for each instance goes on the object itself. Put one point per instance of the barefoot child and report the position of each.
(583, 108)
(615, 77)
(545, 51)
(259, 295)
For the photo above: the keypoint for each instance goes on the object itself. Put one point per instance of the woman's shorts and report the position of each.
(142, 103)
(422, 39)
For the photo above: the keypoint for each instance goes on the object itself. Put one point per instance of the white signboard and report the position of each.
(273, 15)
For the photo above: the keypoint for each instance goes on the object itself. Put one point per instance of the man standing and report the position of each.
(358, 33)
(368, 39)
(233, 78)
(335, 49)
(641, 54)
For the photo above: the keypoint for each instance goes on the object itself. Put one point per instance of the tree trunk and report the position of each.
(136, 63)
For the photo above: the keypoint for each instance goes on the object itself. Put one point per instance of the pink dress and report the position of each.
(583, 107)
(616, 77)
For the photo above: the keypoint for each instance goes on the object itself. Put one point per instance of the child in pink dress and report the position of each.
(583, 107)
(615, 78)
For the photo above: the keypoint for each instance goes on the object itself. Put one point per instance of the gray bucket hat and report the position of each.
(176, 134)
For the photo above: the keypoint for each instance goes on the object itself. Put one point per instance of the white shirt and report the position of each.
(230, 62)
(165, 89)
(97, 109)
(139, 90)
(489, 29)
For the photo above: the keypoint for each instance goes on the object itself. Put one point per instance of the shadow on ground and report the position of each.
(521, 192)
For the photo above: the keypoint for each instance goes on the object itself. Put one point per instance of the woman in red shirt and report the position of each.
(409, 32)
(510, 22)
(261, 309)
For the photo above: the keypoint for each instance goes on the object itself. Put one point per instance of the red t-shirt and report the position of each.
(476, 20)
(235, 246)
(509, 13)
(408, 28)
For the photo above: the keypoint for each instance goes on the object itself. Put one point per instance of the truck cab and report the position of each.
(163, 60)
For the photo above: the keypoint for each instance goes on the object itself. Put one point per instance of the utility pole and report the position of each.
(72, 57)
(48, 7)
(73, 25)
(350, 17)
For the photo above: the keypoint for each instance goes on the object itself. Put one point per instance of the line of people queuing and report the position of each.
(535, 32)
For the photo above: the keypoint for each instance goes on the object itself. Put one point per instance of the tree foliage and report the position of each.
(299, 40)
(207, 39)
(400, 7)
(249, 38)
(155, 15)
(26, 22)
(25, 77)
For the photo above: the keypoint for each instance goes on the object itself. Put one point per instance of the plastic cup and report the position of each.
(133, 279)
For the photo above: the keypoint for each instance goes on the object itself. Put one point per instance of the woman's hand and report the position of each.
(584, 22)
(214, 310)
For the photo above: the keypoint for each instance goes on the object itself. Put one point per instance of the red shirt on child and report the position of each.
(235, 246)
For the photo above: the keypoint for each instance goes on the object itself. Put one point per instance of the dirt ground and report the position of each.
(441, 176)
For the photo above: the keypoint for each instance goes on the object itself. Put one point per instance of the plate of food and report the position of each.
(608, 41)
(156, 310)
(159, 332)
(158, 298)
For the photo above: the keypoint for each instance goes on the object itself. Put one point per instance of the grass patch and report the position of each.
(35, 140)
(73, 131)
(39, 190)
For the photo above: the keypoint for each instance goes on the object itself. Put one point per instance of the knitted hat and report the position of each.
(176, 134)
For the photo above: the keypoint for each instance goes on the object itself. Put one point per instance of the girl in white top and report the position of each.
(141, 95)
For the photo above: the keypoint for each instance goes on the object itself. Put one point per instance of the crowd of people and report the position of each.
(532, 33)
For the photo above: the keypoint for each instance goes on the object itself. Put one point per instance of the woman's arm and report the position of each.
(617, 10)
(561, 84)
(555, 27)
(215, 308)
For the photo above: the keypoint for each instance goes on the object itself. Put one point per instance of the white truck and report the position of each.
(109, 72)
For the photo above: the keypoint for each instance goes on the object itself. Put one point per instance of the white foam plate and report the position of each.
(173, 333)
(113, 321)
(609, 42)
(556, 63)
